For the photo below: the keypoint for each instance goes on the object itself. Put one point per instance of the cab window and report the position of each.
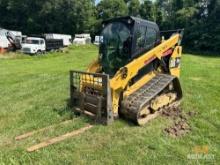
(150, 38)
(140, 38)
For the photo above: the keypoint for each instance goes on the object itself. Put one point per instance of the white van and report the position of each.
(82, 39)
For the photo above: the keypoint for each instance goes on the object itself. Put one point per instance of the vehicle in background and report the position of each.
(15, 40)
(10, 40)
(17, 35)
(34, 45)
(38, 45)
(4, 43)
(24, 39)
(67, 39)
(82, 39)
(97, 40)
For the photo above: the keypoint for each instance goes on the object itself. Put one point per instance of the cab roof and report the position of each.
(133, 19)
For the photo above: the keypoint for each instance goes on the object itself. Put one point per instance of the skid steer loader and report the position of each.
(135, 76)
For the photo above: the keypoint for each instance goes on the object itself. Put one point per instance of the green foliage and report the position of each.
(146, 10)
(111, 8)
(206, 36)
(61, 16)
(200, 19)
(134, 7)
(107, 9)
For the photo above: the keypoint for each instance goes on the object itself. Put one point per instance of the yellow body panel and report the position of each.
(176, 55)
(119, 84)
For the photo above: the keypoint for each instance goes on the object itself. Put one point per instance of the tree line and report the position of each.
(199, 18)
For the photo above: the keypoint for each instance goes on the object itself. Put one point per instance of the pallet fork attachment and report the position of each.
(90, 94)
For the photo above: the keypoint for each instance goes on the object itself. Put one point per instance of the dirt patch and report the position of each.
(180, 125)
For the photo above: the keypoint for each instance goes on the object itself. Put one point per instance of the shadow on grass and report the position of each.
(68, 113)
(64, 111)
(127, 122)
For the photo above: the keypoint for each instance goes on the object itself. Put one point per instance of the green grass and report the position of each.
(34, 93)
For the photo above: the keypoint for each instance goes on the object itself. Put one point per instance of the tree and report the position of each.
(134, 7)
(17, 14)
(204, 34)
(151, 11)
(146, 10)
(69, 16)
(111, 8)
(53, 16)
(107, 9)
(156, 14)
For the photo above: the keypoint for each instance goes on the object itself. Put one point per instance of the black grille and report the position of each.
(89, 83)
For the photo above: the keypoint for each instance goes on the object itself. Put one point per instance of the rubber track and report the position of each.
(142, 97)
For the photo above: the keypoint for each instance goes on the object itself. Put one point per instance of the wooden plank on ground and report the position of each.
(58, 139)
(28, 134)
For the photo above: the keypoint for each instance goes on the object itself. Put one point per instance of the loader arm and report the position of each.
(126, 73)
(121, 79)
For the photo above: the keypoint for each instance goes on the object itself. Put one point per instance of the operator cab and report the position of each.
(125, 38)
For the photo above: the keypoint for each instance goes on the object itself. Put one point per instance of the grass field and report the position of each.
(34, 92)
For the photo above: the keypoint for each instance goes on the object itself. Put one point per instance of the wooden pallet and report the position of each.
(58, 139)
(31, 133)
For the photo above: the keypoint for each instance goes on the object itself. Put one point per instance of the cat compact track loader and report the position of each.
(135, 76)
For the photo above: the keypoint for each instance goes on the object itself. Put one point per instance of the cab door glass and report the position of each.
(140, 38)
(150, 38)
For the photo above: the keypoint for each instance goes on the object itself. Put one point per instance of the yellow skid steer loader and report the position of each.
(135, 76)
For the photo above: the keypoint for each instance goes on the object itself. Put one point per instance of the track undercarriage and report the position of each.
(144, 104)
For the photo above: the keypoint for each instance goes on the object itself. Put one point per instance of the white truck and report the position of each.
(82, 39)
(37, 45)
(10, 39)
(34, 45)
(67, 39)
